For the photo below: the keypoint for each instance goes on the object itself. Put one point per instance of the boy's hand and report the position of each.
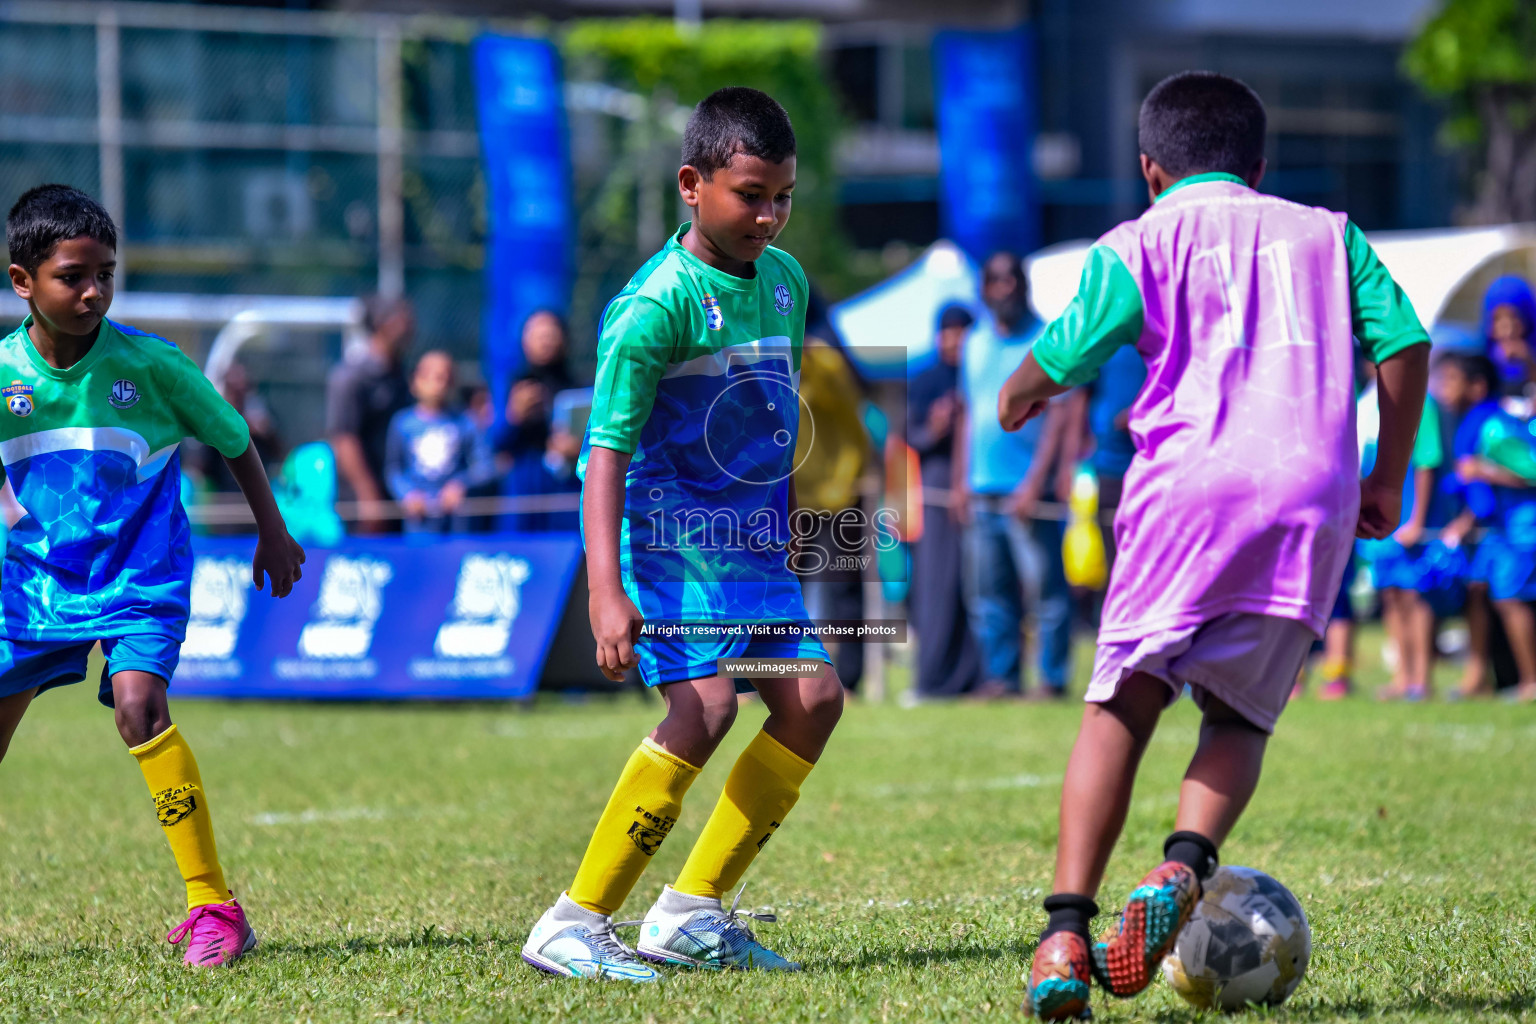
(451, 496)
(1022, 502)
(1381, 507)
(1012, 419)
(1409, 534)
(1471, 469)
(526, 402)
(415, 504)
(616, 626)
(279, 558)
(960, 505)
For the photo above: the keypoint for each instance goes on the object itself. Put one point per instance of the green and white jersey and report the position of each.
(99, 544)
(698, 378)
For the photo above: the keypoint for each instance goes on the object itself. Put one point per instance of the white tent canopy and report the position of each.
(899, 314)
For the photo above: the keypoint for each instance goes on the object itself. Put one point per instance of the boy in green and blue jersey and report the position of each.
(99, 548)
(686, 505)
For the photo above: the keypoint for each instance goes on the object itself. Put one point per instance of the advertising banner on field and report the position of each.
(985, 85)
(379, 619)
(520, 101)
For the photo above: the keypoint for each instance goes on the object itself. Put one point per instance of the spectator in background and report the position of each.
(1000, 479)
(362, 396)
(241, 395)
(535, 456)
(1495, 478)
(1509, 319)
(429, 456)
(1400, 570)
(948, 660)
(832, 456)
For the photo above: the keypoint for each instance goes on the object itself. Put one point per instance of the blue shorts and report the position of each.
(1508, 569)
(44, 664)
(676, 661)
(1392, 565)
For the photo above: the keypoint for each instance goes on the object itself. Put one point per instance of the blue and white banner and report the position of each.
(986, 96)
(379, 619)
(520, 100)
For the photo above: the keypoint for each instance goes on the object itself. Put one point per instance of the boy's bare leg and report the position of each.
(1418, 643)
(1339, 642)
(1101, 774)
(1392, 622)
(803, 712)
(1222, 775)
(1474, 676)
(11, 710)
(1520, 625)
(699, 714)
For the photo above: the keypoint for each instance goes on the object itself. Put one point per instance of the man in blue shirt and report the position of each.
(1000, 478)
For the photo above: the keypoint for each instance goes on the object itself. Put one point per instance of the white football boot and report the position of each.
(573, 941)
(696, 931)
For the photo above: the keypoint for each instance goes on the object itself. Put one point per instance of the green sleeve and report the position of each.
(1382, 317)
(633, 351)
(1505, 445)
(1428, 451)
(202, 411)
(1105, 314)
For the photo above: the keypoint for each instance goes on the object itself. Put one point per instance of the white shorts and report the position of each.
(1248, 662)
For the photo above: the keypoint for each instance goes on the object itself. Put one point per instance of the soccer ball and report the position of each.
(1247, 941)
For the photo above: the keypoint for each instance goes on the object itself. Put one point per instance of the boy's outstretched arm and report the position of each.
(278, 555)
(1105, 314)
(616, 621)
(1025, 393)
(1401, 382)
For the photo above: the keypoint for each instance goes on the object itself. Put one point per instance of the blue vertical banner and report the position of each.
(988, 195)
(520, 100)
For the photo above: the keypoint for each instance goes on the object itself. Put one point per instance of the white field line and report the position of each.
(316, 817)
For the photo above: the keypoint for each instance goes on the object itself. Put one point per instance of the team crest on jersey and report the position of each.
(713, 318)
(783, 301)
(18, 398)
(124, 395)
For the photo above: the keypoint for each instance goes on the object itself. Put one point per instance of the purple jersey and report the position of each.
(1244, 491)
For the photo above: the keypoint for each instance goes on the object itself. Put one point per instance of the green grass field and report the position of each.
(393, 858)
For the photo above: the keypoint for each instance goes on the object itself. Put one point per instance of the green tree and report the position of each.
(628, 195)
(1480, 55)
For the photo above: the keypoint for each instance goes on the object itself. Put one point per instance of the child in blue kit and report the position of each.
(430, 450)
(1495, 478)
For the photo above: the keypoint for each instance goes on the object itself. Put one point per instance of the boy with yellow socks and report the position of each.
(685, 507)
(99, 546)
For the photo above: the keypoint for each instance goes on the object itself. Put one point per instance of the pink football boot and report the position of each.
(219, 934)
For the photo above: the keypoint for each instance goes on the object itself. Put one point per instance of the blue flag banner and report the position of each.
(988, 195)
(379, 619)
(520, 101)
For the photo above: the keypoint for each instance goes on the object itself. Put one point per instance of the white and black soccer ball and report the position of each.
(21, 405)
(1247, 941)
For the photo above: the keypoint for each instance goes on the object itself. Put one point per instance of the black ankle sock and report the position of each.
(1068, 913)
(1193, 849)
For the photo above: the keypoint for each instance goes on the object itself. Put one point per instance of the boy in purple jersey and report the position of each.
(1241, 503)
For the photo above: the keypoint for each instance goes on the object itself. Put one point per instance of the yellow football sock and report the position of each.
(763, 786)
(171, 771)
(640, 813)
